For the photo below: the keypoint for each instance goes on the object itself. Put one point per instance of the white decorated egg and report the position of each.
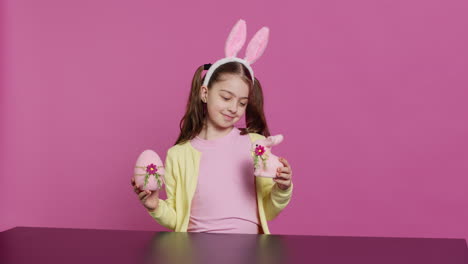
(149, 171)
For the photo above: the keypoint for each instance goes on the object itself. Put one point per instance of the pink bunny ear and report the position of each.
(257, 45)
(269, 142)
(277, 139)
(236, 39)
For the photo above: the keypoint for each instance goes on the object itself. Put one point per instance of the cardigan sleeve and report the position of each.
(165, 214)
(274, 199)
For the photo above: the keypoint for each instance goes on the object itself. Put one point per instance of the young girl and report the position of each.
(209, 178)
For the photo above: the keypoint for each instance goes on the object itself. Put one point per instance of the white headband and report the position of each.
(235, 42)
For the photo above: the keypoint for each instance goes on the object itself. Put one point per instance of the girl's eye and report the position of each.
(243, 104)
(225, 98)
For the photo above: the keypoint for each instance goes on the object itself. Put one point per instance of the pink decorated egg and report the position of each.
(149, 171)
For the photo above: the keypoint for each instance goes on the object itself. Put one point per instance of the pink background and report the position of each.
(370, 95)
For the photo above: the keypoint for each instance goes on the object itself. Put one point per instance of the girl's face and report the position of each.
(226, 101)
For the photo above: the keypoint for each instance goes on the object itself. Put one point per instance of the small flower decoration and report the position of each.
(152, 170)
(259, 150)
(260, 153)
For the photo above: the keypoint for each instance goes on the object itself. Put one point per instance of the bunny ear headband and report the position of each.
(234, 43)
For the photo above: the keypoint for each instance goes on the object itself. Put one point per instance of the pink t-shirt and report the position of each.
(225, 197)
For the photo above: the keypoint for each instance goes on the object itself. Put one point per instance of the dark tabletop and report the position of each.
(61, 245)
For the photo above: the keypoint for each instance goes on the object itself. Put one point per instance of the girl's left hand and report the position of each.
(283, 175)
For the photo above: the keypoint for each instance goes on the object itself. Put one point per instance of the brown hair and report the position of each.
(192, 122)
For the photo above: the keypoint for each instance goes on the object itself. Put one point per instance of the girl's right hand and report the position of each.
(149, 199)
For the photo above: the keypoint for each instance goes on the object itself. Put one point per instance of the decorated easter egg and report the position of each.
(149, 171)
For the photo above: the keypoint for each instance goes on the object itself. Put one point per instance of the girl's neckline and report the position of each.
(200, 143)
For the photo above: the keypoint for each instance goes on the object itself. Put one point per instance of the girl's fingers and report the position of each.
(283, 182)
(154, 193)
(136, 188)
(283, 176)
(143, 194)
(284, 169)
(284, 161)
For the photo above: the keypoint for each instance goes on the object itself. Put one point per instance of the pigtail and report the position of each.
(254, 115)
(192, 123)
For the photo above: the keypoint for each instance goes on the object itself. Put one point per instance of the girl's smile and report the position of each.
(230, 118)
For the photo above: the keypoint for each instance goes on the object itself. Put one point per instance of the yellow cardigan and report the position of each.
(181, 174)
